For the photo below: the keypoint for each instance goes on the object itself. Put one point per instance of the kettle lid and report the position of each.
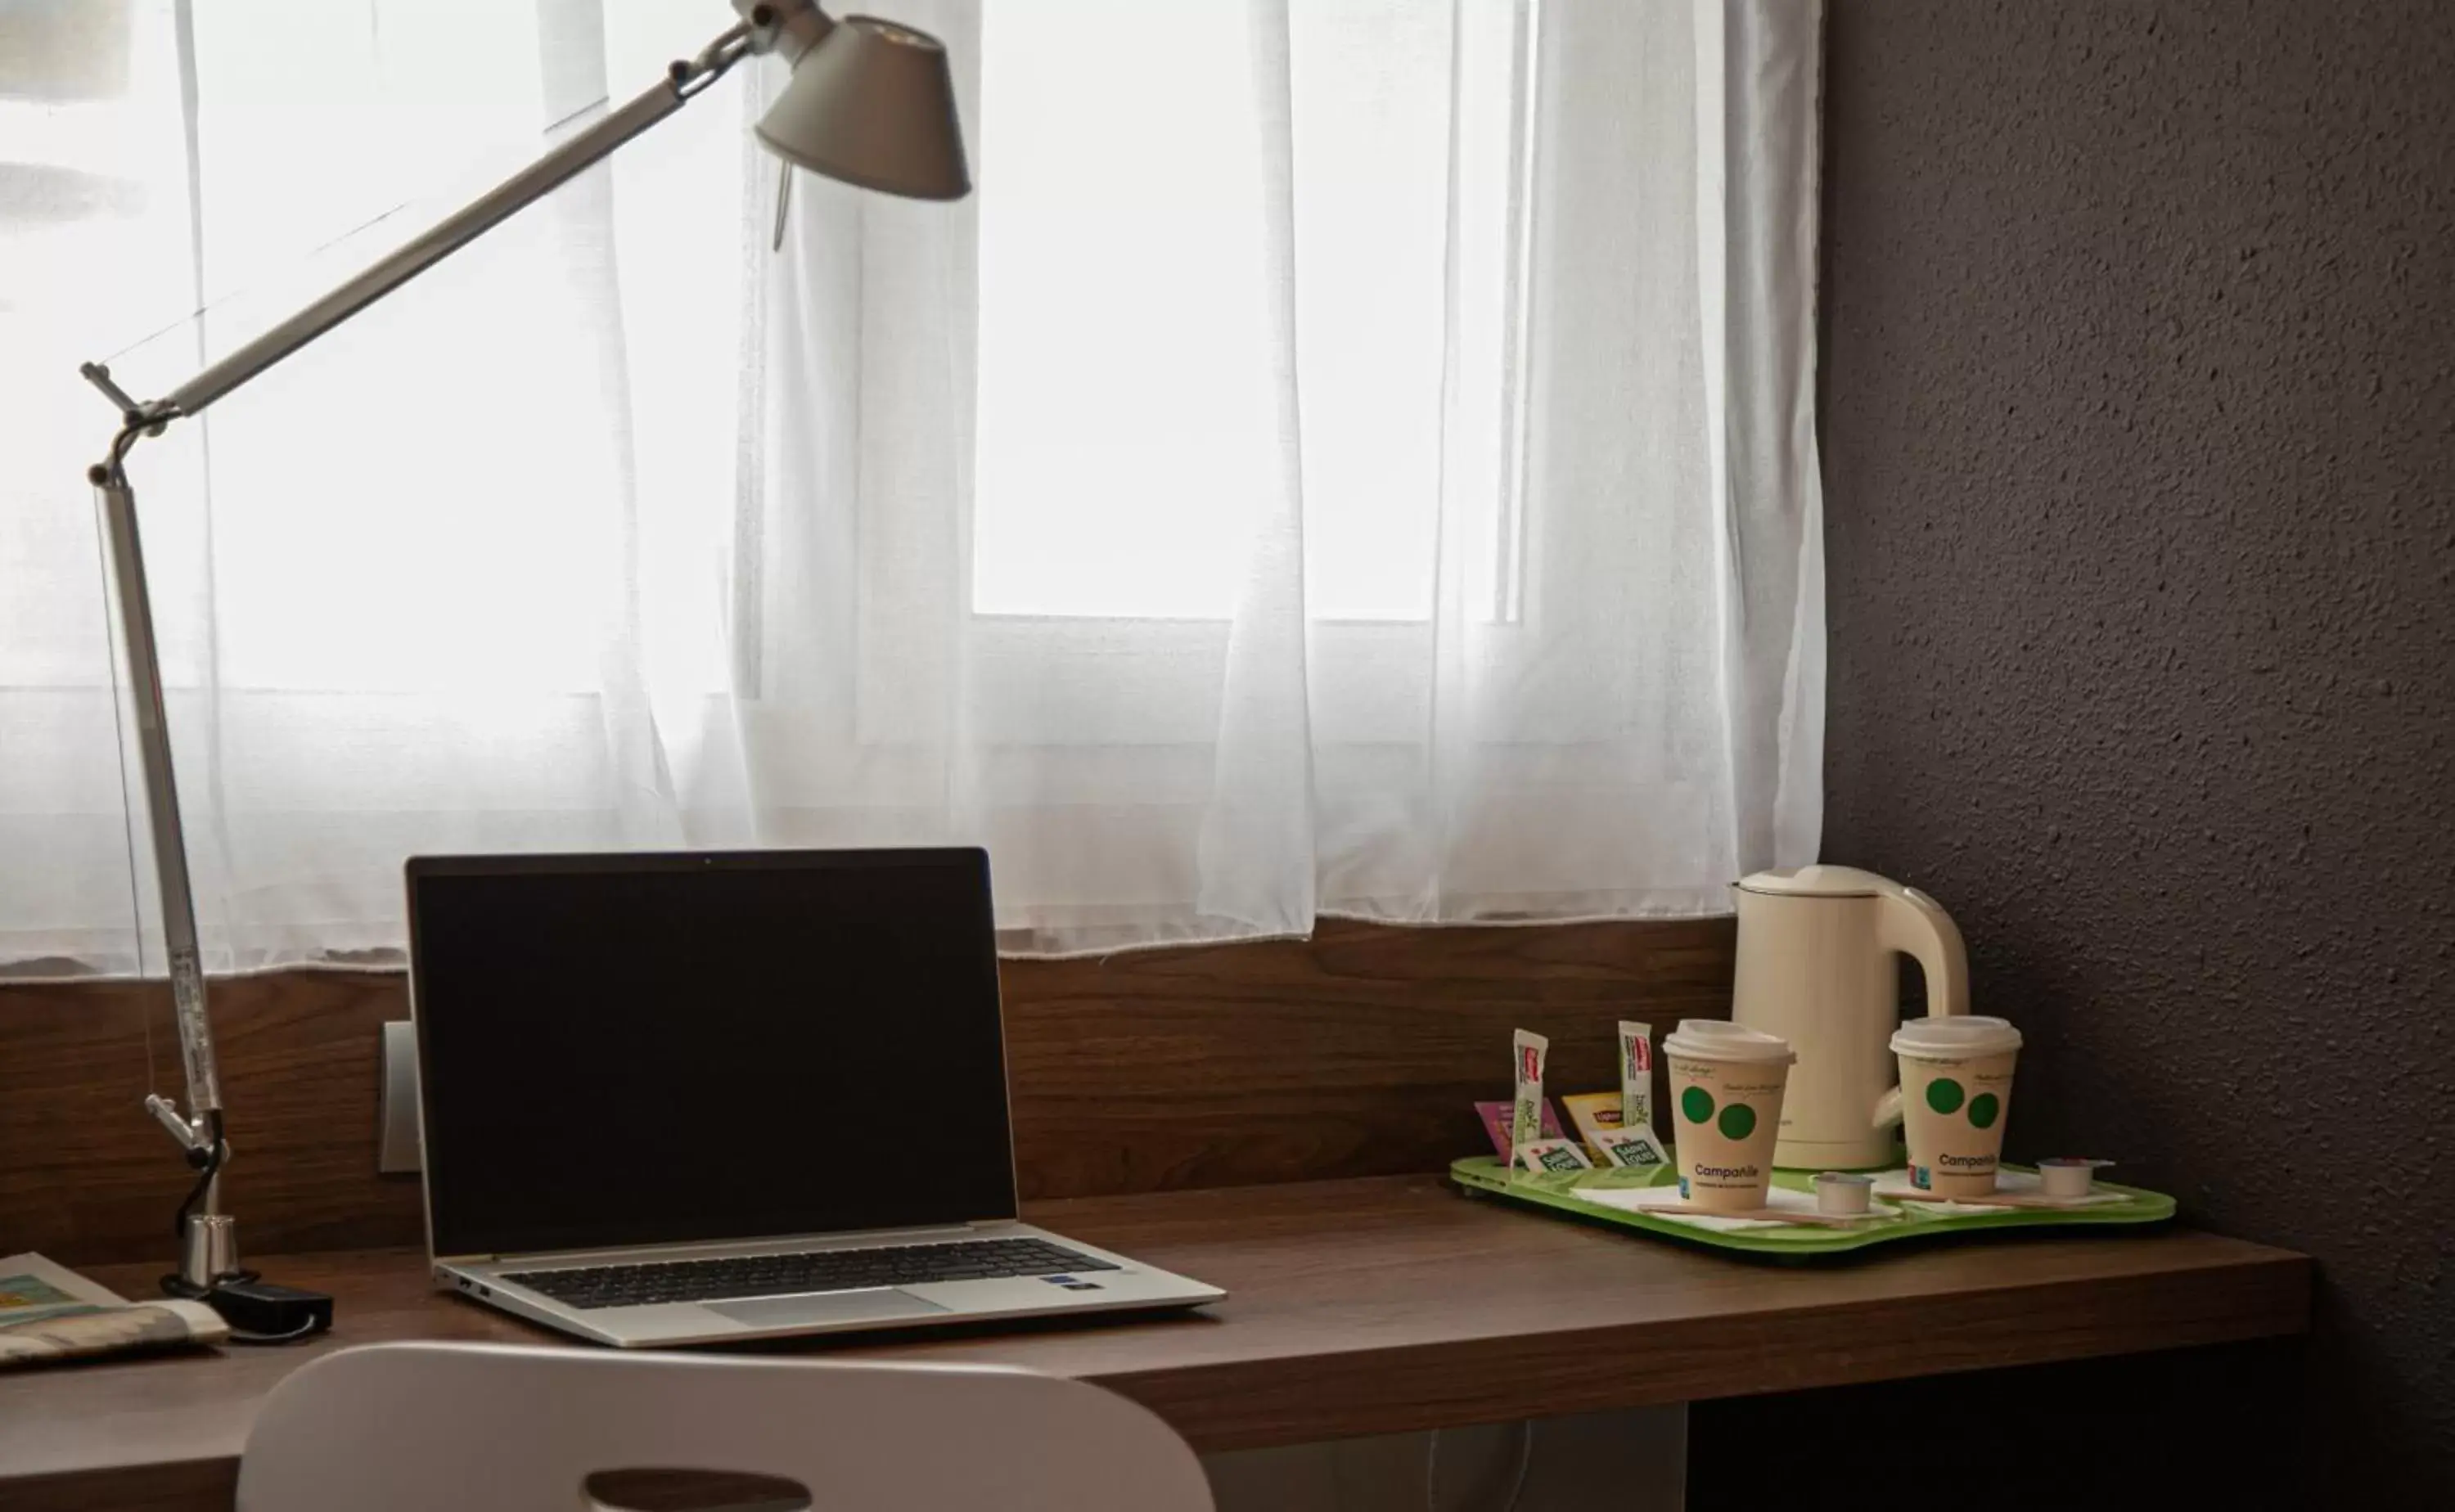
(1817, 882)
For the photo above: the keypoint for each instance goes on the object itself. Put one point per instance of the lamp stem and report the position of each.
(118, 500)
(202, 1262)
(207, 1241)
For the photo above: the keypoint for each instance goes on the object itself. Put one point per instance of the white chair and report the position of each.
(507, 1428)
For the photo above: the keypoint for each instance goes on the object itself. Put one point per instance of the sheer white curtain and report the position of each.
(1349, 457)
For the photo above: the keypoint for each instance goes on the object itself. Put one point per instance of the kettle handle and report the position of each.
(1914, 924)
(1909, 921)
(1888, 1109)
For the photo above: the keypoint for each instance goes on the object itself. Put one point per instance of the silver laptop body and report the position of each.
(716, 1006)
(1130, 1287)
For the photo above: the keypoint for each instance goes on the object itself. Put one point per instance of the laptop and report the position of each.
(686, 1099)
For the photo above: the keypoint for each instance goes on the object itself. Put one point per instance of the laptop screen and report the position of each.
(622, 1050)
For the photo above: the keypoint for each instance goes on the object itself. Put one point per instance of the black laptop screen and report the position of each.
(660, 1049)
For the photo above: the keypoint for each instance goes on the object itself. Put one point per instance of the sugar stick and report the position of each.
(1525, 1121)
(1635, 1074)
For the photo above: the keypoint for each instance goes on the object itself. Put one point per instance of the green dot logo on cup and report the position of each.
(1737, 1121)
(1697, 1105)
(1983, 1109)
(1943, 1095)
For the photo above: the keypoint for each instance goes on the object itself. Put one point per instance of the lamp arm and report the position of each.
(209, 1248)
(684, 80)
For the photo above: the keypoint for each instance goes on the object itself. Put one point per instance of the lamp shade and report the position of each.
(873, 105)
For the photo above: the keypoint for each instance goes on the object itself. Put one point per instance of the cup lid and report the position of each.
(1720, 1039)
(1953, 1036)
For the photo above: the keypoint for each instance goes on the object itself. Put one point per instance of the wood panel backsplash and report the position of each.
(1356, 1052)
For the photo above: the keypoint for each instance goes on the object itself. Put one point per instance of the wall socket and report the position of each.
(397, 1146)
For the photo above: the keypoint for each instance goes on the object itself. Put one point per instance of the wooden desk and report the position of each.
(1361, 1307)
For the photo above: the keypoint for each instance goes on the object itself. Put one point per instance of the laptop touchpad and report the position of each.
(825, 1307)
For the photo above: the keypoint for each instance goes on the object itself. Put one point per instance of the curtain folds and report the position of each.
(1349, 457)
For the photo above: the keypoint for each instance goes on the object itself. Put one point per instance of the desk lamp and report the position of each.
(869, 103)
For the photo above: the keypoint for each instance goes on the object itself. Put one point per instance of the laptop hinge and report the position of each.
(915, 1235)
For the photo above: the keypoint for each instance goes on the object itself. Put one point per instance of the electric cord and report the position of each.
(1517, 1485)
(311, 1325)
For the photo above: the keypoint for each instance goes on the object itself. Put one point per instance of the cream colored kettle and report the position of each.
(1816, 967)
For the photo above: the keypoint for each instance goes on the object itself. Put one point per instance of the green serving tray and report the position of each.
(1484, 1175)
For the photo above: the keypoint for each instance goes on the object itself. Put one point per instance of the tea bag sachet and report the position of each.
(1635, 1148)
(1553, 1155)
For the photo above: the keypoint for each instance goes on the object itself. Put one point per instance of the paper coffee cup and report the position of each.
(1955, 1095)
(1726, 1087)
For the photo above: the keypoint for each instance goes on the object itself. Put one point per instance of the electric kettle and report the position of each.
(1816, 967)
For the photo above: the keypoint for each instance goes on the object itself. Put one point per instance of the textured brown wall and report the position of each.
(2138, 407)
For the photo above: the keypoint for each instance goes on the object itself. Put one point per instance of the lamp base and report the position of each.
(258, 1311)
(262, 1313)
(207, 1254)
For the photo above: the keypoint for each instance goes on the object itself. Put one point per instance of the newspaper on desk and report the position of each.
(49, 1312)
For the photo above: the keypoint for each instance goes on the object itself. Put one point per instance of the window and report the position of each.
(1133, 288)
(1311, 474)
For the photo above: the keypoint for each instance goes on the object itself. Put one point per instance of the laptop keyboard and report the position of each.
(832, 1270)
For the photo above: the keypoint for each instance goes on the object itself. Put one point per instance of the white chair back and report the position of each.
(435, 1427)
